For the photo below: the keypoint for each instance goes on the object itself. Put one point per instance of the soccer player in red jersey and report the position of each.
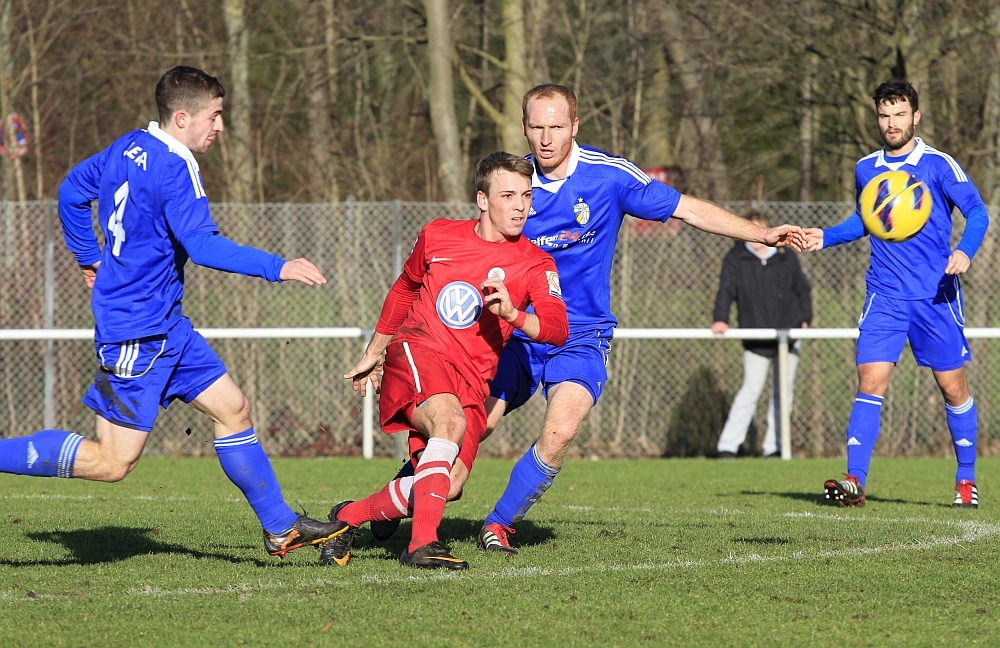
(463, 291)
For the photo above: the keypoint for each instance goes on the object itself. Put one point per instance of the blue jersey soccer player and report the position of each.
(579, 200)
(154, 213)
(913, 294)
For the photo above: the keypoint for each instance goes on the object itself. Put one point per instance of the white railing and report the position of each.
(783, 336)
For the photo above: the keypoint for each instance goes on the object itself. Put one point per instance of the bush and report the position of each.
(697, 420)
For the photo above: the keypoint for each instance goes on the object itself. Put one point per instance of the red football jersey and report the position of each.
(448, 265)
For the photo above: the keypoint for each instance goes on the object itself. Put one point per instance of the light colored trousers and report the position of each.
(744, 407)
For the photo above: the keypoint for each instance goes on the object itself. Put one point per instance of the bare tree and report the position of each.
(991, 117)
(701, 148)
(312, 28)
(442, 101)
(516, 76)
(239, 143)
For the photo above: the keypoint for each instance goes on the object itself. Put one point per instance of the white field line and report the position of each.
(969, 532)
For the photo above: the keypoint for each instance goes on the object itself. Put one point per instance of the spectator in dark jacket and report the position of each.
(770, 291)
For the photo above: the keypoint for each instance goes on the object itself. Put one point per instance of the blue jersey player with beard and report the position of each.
(914, 294)
(580, 197)
(154, 213)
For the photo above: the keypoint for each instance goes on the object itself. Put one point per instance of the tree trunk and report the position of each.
(311, 28)
(515, 78)
(330, 20)
(919, 50)
(6, 81)
(654, 149)
(807, 126)
(991, 126)
(241, 170)
(442, 101)
(703, 158)
(538, 62)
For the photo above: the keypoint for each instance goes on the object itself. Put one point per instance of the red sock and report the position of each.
(390, 503)
(430, 494)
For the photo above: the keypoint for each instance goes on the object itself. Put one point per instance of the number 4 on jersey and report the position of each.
(115, 225)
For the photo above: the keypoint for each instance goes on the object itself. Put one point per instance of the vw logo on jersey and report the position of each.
(459, 305)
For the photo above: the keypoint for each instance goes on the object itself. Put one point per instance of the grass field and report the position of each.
(618, 553)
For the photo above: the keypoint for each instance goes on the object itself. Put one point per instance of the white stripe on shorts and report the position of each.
(409, 356)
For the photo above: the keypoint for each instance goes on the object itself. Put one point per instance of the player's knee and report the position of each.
(455, 492)
(452, 426)
(243, 411)
(111, 472)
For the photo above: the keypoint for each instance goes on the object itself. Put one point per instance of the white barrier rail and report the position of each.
(783, 336)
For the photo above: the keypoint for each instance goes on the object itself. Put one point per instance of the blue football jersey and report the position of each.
(913, 269)
(576, 219)
(150, 200)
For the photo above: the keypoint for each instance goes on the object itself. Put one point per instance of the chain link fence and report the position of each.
(665, 276)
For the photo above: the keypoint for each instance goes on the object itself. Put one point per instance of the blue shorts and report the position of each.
(935, 328)
(525, 364)
(137, 377)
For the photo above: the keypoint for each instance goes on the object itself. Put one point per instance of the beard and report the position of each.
(898, 141)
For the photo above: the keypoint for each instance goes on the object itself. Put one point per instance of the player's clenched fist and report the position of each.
(303, 271)
(497, 299)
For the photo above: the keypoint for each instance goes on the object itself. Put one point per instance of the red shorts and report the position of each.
(411, 378)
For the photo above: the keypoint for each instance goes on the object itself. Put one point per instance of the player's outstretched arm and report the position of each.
(716, 220)
(370, 366)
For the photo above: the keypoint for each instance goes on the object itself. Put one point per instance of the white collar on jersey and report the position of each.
(173, 144)
(912, 159)
(554, 185)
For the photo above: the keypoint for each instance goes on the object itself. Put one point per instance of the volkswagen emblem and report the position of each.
(459, 305)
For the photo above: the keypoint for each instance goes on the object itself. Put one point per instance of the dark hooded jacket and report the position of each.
(769, 293)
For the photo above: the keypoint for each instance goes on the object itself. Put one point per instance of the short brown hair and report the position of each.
(755, 215)
(500, 161)
(549, 91)
(185, 88)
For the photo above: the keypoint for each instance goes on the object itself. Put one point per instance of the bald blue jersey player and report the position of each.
(154, 213)
(913, 293)
(579, 200)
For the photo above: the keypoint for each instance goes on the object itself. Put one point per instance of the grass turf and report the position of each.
(647, 552)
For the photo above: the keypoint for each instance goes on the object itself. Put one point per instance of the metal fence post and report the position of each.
(368, 412)
(49, 417)
(784, 393)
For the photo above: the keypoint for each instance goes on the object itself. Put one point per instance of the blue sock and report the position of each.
(529, 479)
(862, 432)
(962, 423)
(49, 453)
(246, 464)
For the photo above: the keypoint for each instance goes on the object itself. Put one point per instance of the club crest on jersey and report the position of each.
(554, 288)
(497, 272)
(582, 211)
(459, 305)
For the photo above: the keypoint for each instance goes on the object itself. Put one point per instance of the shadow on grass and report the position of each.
(821, 499)
(113, 544)
(452, 530)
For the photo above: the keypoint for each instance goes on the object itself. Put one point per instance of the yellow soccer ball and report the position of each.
(895, 206)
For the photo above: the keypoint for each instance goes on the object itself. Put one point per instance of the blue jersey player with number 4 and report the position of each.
(580, 197)
(154, 213)
(914, 294)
